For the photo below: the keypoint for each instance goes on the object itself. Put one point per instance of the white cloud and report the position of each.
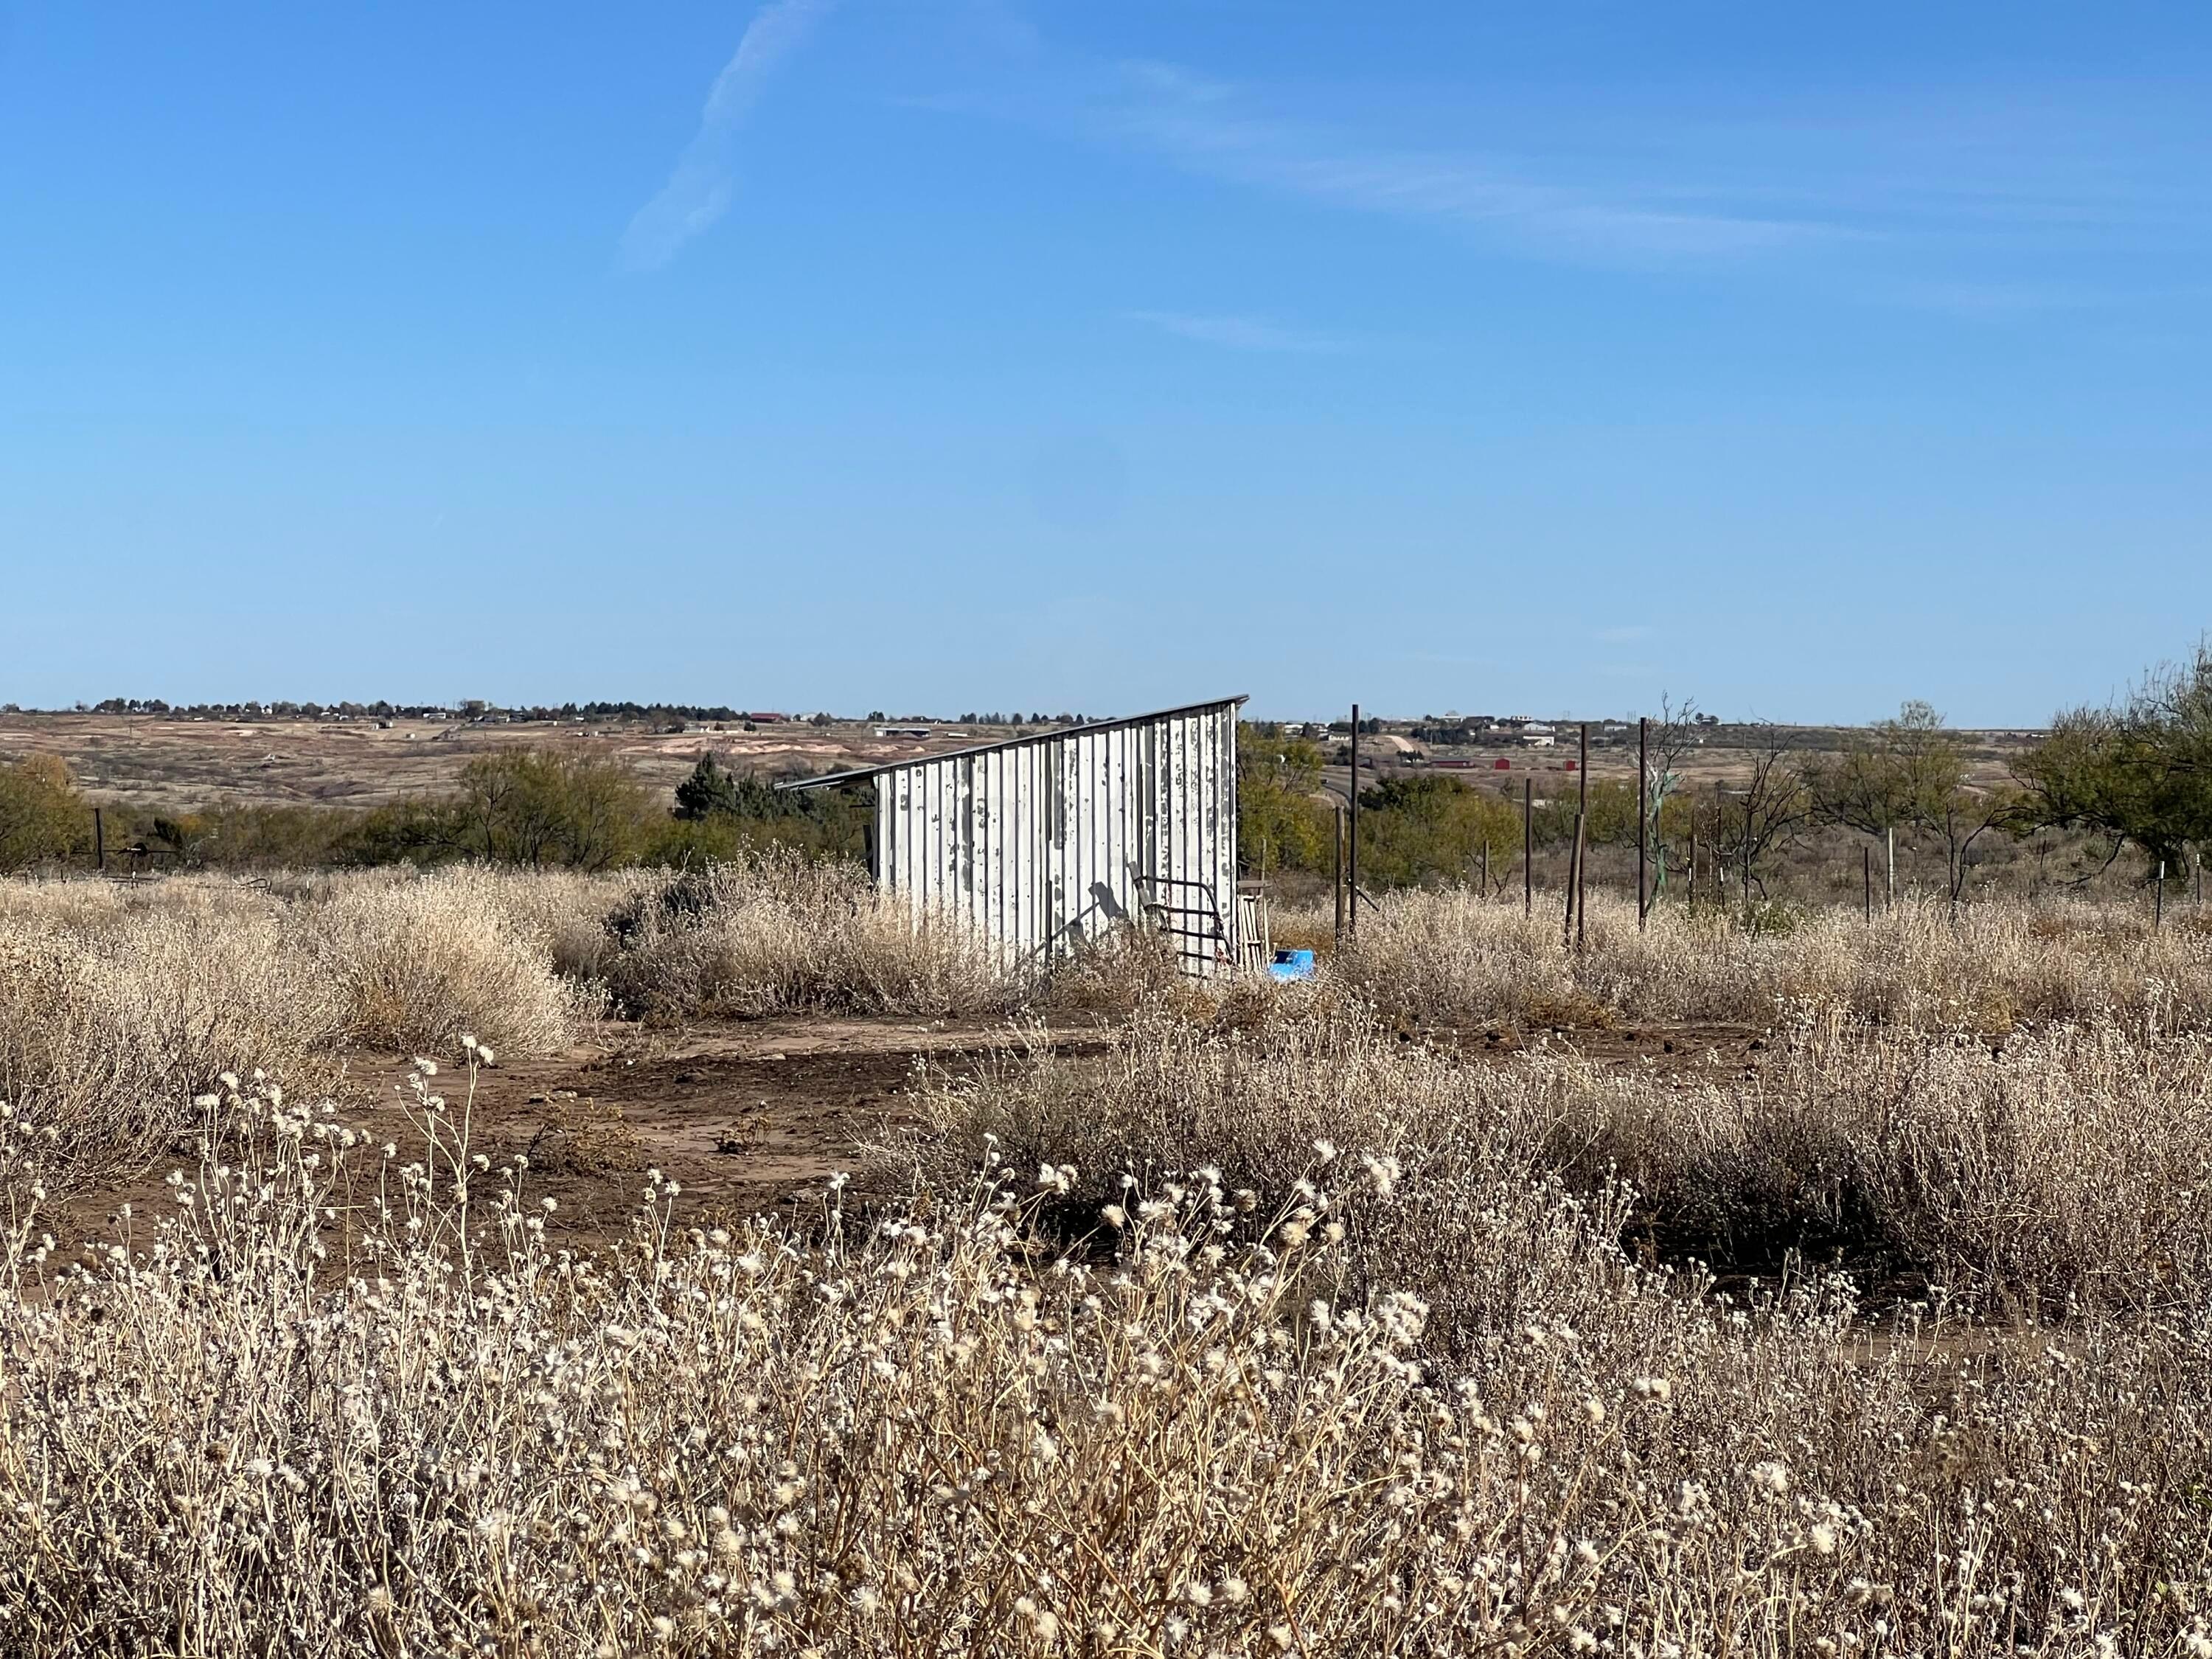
(698, 191)
(1198, 124)
(1235, 333)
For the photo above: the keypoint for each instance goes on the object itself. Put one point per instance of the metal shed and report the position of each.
(1047, 842)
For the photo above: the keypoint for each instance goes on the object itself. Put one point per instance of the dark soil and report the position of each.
(745, 1117)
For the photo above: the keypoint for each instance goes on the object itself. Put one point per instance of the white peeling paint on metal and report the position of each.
(1020, 840)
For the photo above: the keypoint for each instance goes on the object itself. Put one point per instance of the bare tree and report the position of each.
(1667, 743)
(1767, 815)
(1962, 816)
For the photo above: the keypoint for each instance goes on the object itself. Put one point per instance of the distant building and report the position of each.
(1537, 739)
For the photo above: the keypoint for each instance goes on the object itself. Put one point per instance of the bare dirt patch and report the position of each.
(755, 1116)
(745, 1118)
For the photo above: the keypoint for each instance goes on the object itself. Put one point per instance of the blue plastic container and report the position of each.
(1292, 964)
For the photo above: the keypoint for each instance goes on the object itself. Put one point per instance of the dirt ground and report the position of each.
(755, 1116)
(745, 1117)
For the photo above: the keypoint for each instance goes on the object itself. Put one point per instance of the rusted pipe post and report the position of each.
(1336, 826)
(1582, 854)
(1567, 911)
(1575, 893)
(1352, 857)
(1643, 807)
(1746, 855)
(1527, 846)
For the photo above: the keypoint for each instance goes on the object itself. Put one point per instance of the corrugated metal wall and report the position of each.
(1039, 843)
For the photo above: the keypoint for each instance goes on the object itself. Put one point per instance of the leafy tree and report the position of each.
(1282, 821)
(42, 815)
(1893, 776)
(720, 812)
(540, 806)
(531, 806)
(256, 834)
(1911, 773)
(1433, 827)
(413, 830)
(1612, 812)
(708, 790)
(2139, 772)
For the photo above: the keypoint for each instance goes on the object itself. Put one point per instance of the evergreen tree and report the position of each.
(708, 790)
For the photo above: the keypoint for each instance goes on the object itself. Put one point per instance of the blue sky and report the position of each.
(980, 354)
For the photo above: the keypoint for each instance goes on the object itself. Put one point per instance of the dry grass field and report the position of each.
(177, 764)
(1828, 1289)
(172, 764)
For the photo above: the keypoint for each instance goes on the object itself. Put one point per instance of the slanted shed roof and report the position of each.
(859, 773)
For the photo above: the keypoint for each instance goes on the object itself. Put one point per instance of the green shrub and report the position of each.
(42, 816)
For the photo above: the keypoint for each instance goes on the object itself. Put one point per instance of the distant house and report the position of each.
(761, 719)
(905, 731)
(1537, 739)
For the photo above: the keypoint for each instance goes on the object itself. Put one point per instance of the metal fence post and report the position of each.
(1352, 857)
(1582, 847)
(1527, 846)
(1643, 807)
(1336, 826)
